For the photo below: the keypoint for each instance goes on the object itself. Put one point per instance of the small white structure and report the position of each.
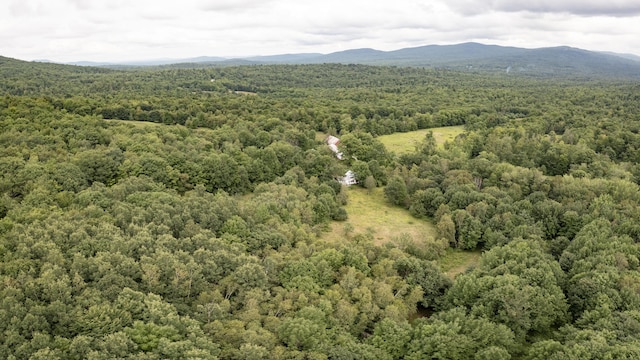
(333, 142)
(348, 179)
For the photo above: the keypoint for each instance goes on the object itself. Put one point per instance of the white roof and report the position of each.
(332, 140)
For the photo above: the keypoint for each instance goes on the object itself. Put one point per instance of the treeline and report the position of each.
(196, 233)
(328, 98)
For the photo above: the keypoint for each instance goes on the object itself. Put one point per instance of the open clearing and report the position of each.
(457, 261)
(136, 123)
(403, 143)
(370, 213)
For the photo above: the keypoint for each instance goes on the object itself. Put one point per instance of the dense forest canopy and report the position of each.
(180, 213)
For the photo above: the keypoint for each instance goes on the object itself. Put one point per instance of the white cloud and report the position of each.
(116, 30)
(232, 5)
(617, 8)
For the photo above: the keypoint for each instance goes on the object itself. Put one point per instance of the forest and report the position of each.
(180, 213)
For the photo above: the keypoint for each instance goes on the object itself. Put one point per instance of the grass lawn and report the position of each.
(370, 213)
(402, 143)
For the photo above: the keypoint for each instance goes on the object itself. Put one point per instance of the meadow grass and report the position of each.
(370, 213)
(456, 261)
(403, 143)
(136, 123)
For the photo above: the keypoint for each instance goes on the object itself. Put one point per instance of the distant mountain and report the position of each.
(470, 57)
(284, 58)
(355, 56)
(475, 57)
(155, 62)
(626, 56)
(424, 55)
(198, 60)
(565, 60)
(554, 61)
(91, 63)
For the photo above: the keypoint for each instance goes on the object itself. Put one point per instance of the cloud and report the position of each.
(30, 8)
(82, 4)
(614, 8)
(231, 5)
(21, 8)
(68, 30)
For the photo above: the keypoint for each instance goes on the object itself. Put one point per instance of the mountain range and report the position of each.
(550, 61)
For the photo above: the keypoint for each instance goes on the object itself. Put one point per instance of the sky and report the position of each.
(130, 30)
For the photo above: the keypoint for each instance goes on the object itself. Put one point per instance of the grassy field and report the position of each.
(402, 143)
(133, 122)
(457, 261)
(370, 213)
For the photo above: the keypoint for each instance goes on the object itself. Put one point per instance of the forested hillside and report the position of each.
(555, 62)
(180, 213)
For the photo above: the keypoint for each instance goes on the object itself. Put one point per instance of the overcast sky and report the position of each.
(121, 30)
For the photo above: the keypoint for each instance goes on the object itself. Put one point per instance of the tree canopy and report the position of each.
(181, 213)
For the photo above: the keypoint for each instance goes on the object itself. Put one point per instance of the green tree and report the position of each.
(426, 274)
(370, 184)
(518, 285)
(100, 165)
(391, 337)
(456, 335)
(301, 333)
(396, 191)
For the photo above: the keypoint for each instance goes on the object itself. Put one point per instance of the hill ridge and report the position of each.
(470, 56)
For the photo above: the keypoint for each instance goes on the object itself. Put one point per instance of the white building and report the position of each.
(333, 142)
(349, 178)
